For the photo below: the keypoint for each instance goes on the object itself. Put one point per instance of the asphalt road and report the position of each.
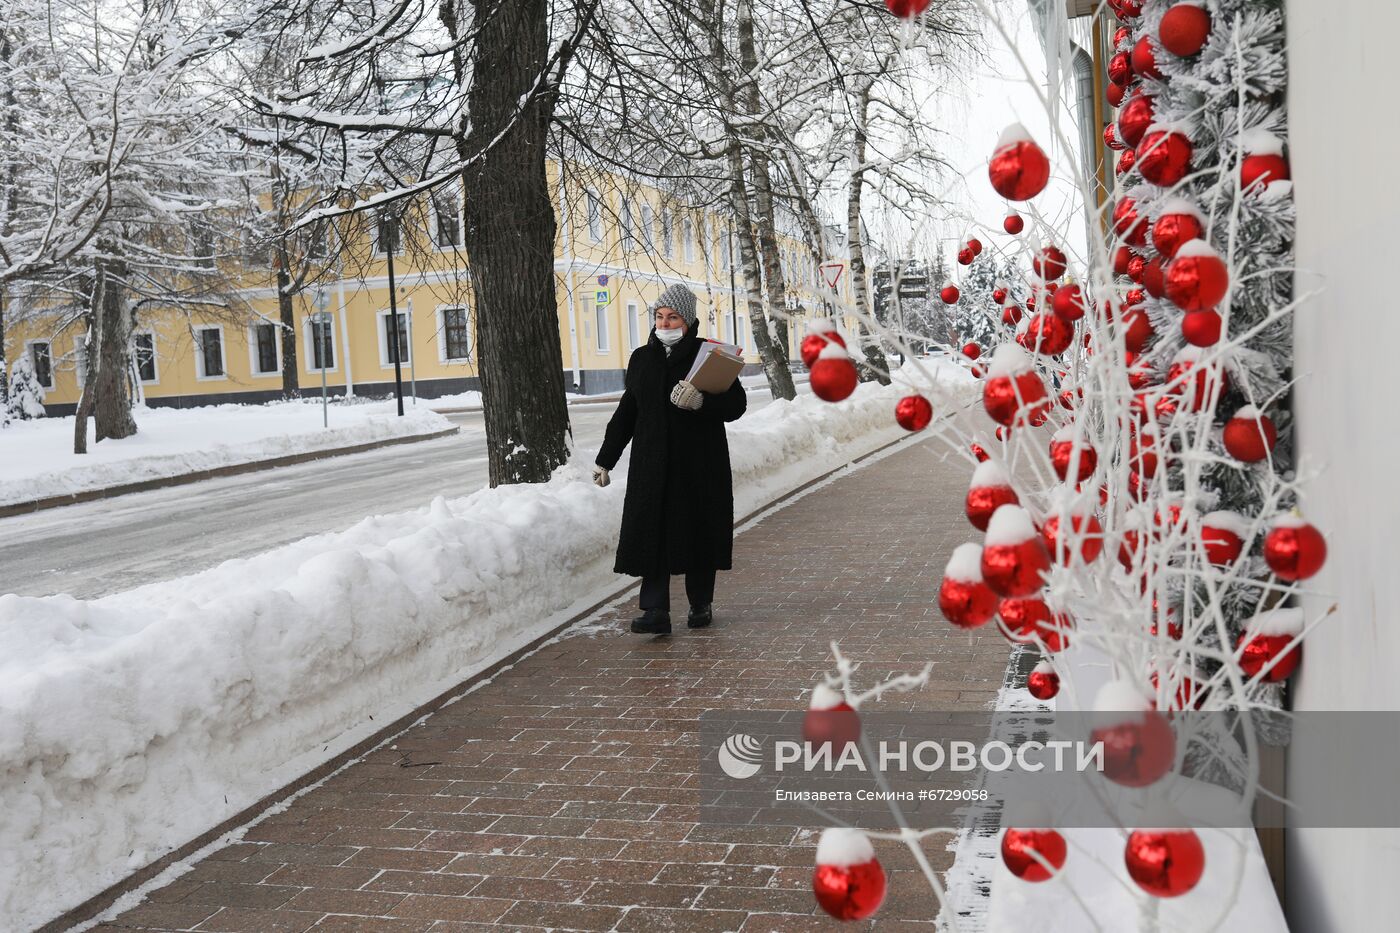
(106, 546)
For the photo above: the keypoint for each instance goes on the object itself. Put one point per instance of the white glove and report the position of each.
(686, 396)
(600, 476)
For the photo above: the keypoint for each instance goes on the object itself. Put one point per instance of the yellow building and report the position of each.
(619, 244)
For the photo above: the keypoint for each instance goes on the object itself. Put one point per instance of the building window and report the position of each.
(265, 356)
(447, 221)
(600, 326)
(210, 359)
(688, 239)
(202, 245)
(392, 350)
(455, 339)
(648, 228)
(742, 326)
(634, 329)
(595, 217)
(629, 236)
(726, 251)
(42, 359)
(668, 235)
(321, 336)
(144, 347)
(386, 234)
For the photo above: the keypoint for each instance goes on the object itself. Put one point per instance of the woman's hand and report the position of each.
(600, 477)
(686, 396)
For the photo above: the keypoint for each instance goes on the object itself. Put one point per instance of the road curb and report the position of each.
(233, 469)
(103, 901)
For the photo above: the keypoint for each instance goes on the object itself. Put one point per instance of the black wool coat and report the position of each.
(678, 514)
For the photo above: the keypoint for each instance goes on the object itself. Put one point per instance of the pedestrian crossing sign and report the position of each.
(602, 297)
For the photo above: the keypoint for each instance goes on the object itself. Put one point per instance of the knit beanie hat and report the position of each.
(682, 300)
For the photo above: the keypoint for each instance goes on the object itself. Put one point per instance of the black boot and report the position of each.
(653, 622)
(700, 616)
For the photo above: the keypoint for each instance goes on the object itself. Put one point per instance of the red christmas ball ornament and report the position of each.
(1114, 93)
(820, 333)
(1030, 303)
(1126, 9)
(1293, 549)
(1126, 160)
(1178, 224)
(1013, 223)
(990, 490)
(1139, 375)
(913, 412)
(1043, 683)
(907, 9)
(830, 720)
(975, 245)
(1013, 558)
(963, 597)
(1144, 59)
(1019, 169)
(950, 294)
(1047, 334)
(965, 256)
(1139, 745)
(1135, 296)
(1019, 847)
(1197, 279)
(1135, 117)
(1068, 303)
(1013, 392)
(999, 294)
(833, 375)
(1136, 329)
(971, 350)
(1120, 68)
(1205, 383)
(1184, 29)
(1011, 315)
(1120, 35)
(1201, 328)
(1222, 537)
(1121, 257)
(1270, 647)
(849, 883)
(1249, 435)
(1153, 279)
(979, 452)
(1050, 263)
(1164, 157)
(1165, 862)
(1263, 162)
(1084, 528)
(1135, 267)
(1062, 450)
(1111, 140)
(1129, 226)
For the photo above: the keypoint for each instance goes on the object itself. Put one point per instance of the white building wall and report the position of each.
(1345, 149)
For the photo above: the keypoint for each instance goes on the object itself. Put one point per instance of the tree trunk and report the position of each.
(112, 377)
(763, 202)
(286, 314)
(775, 366)
(509, 236)
(875, 366)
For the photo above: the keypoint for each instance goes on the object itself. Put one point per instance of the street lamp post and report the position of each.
(390, 247)
(733, 294)
(321, 328)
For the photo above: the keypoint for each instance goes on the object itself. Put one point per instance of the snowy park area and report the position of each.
(37, 459)
(139, 720)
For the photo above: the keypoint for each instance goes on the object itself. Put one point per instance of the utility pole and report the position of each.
(394, 311)
(321, 330)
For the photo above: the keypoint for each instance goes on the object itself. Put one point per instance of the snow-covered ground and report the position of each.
(136, 721)
(37, 459)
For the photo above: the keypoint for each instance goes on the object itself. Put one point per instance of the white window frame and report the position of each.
(155, 357)
(383, 338)
(601, 330)
(668, 233)
(199, 373)
(593, 208)
(634, 326)
(30, 355)
(627, 234)
(585, 302)
(688, 239)
(253, 370)
(308, 336)
(433, 223)
(441, 314)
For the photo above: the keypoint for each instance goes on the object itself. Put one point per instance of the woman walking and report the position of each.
(678, 514)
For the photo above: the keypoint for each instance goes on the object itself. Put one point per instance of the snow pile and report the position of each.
(37, 459)
(136, 721)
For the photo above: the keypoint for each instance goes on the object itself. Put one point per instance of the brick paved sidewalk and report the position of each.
(562, 795)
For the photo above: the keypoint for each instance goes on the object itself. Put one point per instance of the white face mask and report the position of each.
(670, 336)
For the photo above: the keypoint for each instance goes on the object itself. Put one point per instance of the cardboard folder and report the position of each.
(716, 367)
